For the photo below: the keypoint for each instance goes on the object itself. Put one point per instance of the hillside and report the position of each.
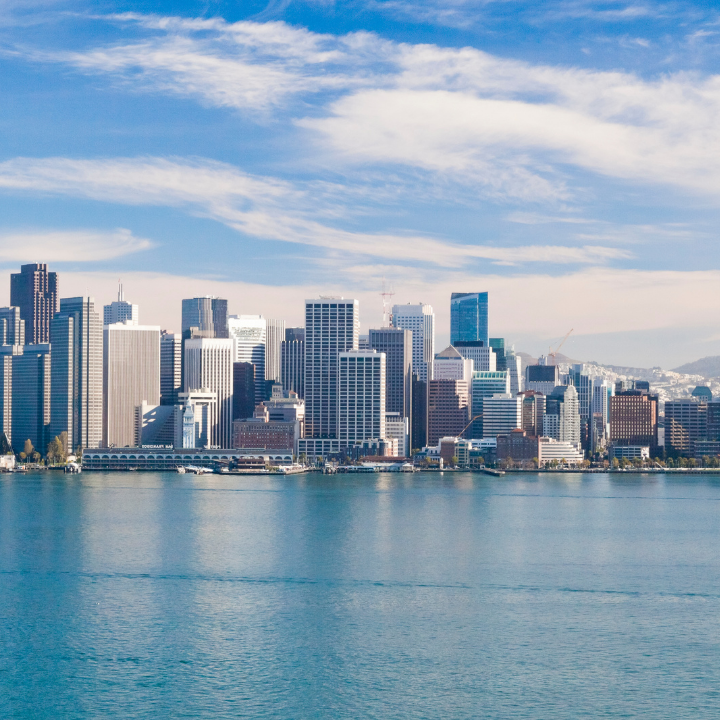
(707, 367)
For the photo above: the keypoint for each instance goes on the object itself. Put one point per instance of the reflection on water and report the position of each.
(388, 596)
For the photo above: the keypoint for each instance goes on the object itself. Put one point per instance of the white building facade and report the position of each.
(420, 319)
(361, 396)
(501, 415)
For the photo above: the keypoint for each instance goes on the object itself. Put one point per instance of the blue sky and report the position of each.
(563, 156)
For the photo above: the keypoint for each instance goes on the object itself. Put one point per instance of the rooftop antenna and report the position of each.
(121, 297)
(386, 294)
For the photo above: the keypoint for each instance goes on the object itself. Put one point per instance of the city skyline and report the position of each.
(273, 153)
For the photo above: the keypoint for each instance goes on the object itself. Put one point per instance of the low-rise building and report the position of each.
(629, 452)
(261, 432)
(561, 451)
(518, 446)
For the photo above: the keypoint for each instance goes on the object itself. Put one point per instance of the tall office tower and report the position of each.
(361, 396)
(484, 358)
(12, 326)
(469, 317)
(501, 415)
(600, 413)
(31, 397)
(207, 315)
(131, 377)
(35, 291)
(582, 382)
(498, 346)
(484, 385)
(332, 326)
(420, 319)
(451, 365)
(533, 412)
(77, 373)
(542, 378)
(396, 343)
(120, 311)
(562, 415)
(513, 364)
(170, 368)
(209, 367)
(243, 390)
(447, 409)
(418, 422)
(249, 336)
(274, 337)
(7, 352)
(292, 361)
(634, 419)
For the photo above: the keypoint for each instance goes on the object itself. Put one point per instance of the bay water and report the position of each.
(454, 595)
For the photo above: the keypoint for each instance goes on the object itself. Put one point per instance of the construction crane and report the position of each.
(459, 435)
(552, 353)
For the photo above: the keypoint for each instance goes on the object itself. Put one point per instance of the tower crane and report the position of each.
(552, 353)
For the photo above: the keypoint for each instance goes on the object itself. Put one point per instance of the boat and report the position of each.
(180, 469)
(73, 468)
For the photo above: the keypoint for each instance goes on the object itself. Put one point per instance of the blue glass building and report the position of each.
(469, 317)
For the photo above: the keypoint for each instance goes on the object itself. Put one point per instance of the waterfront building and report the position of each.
(629, 452)
(542, 378)
(35, 292)
(199, 418)
(634, 419)
(361, 396)
(131, 376)
(209, 367)
(120, 311)
(418, 423)
(451, 365)
(518, 446)
(159, 426)
(685, 424)
(447, 409)
(12, 327)
(533, 412)
(420, 320)
(562, 416)
(31, 397)
(469, 317)
(292, 361)
(262, 433)
(396, 343)
(397, 428)
(249, 336)
(170, 368)
(77, 373)
(501, 414)
(483, 357)
(332, 326)
(561, 451)
(7, 352)
(484, 385)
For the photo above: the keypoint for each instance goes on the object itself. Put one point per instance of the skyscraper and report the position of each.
(120, 311)
(208, 315)
(420, 319)
(484, 358)
(6, 395)
(249, 336)
(131, 376)
(418, 423)
(562, 415)
(501, 415)
(209, 367)
(292, 361)
(332, 326)
(243, 390)
(451, 365)
(35, 291)
(396, 343)
(361, 396)
(447, 409)
(513, 364)
(484, 385)
(469, 317)
(634, 419)
(274, 337)
(498, 346)
(12, 326)
(542, 378)
(170, 368)
(77, 373)
(31, 397)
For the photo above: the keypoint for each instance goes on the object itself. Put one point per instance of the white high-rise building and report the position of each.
(562, 415)
(120, 311)
(483, 357)
(209, 367)
(513, 363)
(249, 336)
(451, 365)
(421, 320)
(274, 336)
(361, 396)
(131, 376)
(501, 415)
(484, 385)
(332, 326)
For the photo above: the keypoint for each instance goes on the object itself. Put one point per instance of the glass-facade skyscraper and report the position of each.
(469, 317)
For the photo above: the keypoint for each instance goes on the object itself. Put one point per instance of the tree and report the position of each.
(28, 449)
(55, 451)
(454, 460)
(615, 463)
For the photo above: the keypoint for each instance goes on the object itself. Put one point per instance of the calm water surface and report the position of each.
(130, 595)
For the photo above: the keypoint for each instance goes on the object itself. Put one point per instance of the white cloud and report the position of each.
(69, 245)
(260, 207)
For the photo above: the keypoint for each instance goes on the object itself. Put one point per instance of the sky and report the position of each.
(563, 156)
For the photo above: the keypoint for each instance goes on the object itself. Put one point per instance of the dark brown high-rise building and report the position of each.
(447, 409)
(35, 291)
(634, 419)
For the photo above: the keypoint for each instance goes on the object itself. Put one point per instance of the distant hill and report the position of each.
(707, 367)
